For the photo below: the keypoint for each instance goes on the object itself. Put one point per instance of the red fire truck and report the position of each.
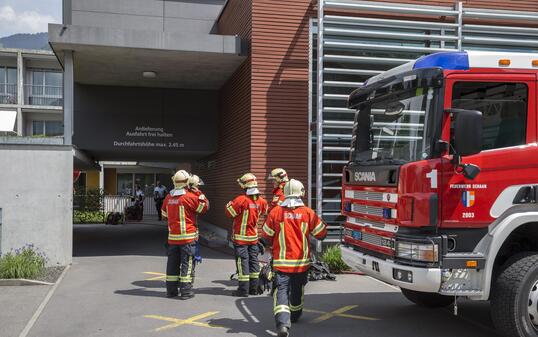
(440, 192)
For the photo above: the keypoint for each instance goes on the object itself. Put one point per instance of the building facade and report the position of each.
(226, 87)
(31, 90)
(269, 101)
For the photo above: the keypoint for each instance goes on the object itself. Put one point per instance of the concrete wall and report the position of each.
(36, 200)
(169, 15)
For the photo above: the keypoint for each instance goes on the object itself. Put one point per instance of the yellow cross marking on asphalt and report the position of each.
(176, 322)
(338, 313)
(160, 276)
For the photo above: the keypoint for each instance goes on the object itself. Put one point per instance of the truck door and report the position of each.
(509, 152)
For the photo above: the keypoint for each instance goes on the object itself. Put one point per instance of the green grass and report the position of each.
(332, 256)
(24, 263)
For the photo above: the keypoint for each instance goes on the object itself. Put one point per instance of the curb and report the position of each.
(23, 282)
(41, 307)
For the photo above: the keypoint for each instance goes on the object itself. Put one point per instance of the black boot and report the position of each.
(282, 331)
(253, 287)
(171, 295)
(295, 315)
(186, 295)
(239, 293)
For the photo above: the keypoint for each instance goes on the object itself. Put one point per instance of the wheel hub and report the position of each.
(532, 310)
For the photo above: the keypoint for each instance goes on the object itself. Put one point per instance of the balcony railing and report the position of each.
(8, 93)
(44, 95)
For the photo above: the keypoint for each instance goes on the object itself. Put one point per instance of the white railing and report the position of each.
(118, 203)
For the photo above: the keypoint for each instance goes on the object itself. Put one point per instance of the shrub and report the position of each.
(23, 263)
(81, 217)
(333, 258)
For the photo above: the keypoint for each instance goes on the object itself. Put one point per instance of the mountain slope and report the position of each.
(26, 41)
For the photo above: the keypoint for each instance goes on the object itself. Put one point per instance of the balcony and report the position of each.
(43, 95)
(8, 93)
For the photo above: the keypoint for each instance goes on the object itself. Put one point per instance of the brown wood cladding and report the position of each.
(233, 156)
(280, 33)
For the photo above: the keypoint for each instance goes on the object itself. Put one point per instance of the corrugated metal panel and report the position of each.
(375, 36)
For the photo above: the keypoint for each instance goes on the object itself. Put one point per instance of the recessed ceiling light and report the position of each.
(149, 74)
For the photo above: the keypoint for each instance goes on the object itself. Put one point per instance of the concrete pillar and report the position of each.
(66, 12)
(68, 97)
(20, 79)
(102, 177)
(20, 123)
(20, 93)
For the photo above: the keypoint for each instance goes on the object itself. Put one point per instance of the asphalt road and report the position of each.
(115, 288)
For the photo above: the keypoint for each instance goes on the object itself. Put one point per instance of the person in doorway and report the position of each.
(279, 177)
(288, 227)
(139, 202)
(245, 210)
(180, 208)
(159, 193)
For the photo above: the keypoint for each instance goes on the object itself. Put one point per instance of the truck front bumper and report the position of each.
(423, 279)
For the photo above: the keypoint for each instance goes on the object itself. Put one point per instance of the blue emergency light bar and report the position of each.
(444, 60)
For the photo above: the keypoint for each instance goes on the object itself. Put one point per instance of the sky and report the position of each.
(28, 16)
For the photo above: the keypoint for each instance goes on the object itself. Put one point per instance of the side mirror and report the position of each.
(467, 131)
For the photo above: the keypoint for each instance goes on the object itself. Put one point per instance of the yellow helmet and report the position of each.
(294, 188)
(247, 180)
(181, 179)
(195, 181)
(279, 175)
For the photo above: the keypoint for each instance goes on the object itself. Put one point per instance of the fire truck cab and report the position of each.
(440, 192)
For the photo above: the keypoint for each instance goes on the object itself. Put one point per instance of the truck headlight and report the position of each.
(428, 252)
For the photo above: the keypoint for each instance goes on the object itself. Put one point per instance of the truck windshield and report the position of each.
(392, 129)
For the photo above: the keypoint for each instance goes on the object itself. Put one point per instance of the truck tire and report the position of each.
(514, 297)
(430, 300)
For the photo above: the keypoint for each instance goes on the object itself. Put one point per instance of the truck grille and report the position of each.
(364, 195)
(364, 209)
(372, 239)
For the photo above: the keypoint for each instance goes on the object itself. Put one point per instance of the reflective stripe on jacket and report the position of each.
(246, 210)
(289, 229)
(181, 211)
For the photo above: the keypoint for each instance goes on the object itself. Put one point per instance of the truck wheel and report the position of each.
(430, 300)
(514, 297)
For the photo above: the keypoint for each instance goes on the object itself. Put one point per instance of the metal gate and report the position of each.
(366, 38)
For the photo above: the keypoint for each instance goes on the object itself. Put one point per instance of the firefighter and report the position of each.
(180, 207)
(194, 183)
(279, 177)
(246, 210)
(194, 186)
(288, 227)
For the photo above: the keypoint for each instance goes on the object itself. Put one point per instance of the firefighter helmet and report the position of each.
(181, 179)
(294, 189)
(195, 181)
(279, 175)
(247, 180)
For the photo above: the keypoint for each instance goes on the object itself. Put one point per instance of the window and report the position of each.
(146, 181)
(503, 107)
(46, 88)
(8, 85)
(125, 183)
(47, 128)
